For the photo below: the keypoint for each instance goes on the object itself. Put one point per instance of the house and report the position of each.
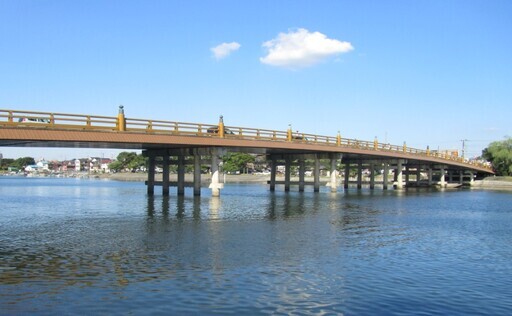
(97, 164)
(43, 165)
(32, 168)
(78, 165)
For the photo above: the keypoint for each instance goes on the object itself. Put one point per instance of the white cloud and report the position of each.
(301, 48)
(224, 50)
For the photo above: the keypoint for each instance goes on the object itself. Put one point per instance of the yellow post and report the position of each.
(221, 126)
(405, 147)
(375, 143)
(428, 151)
(289, 133)
(338, 139)
(121, 122)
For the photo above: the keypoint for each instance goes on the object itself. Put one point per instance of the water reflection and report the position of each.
(215, 205)
(180, 203)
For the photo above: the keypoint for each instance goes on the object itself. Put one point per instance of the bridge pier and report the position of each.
(287, 174)
(334, 173)
(181, 175)
(302, 173)
(442, 179)
(399, 174)
(385, 176)
(215, 184)
(372, 176)
(273, 171)
(430, 174)
(151, 174)
(165, 175)
(347, 175)
(197, 174)
(359, 175)
(316, 173)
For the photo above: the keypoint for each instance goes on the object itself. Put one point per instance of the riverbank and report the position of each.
(494, 183)
(491, 183)
(205, 178)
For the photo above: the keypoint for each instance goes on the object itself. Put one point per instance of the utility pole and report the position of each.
(464, 147)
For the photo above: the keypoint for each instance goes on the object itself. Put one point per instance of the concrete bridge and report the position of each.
(178, 143)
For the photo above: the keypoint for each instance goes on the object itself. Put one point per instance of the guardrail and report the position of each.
(32, 119)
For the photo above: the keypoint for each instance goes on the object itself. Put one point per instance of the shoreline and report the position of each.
(489, 183)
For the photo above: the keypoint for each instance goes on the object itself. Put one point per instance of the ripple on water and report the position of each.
(110, 249)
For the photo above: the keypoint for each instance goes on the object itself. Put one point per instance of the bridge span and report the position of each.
(179, 143)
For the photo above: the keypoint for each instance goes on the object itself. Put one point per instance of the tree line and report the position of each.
(131, 161)
(499, 154)
(18, 164)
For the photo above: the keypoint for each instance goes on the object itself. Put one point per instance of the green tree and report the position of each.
(499, 153)
(233, 162)
(6, 162)
(127, 160)
(21, 163)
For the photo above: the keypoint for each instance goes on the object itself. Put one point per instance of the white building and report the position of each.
(32, 168)
(43, 165)
(77, 165)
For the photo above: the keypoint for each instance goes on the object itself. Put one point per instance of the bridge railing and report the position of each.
(32, 119)
(56, 120)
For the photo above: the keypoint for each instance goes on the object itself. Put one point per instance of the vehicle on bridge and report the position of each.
(33, 120)
(215, 130)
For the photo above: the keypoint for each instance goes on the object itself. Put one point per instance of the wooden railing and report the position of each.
(32, 119)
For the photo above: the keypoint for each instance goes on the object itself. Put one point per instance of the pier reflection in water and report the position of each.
(70, 246)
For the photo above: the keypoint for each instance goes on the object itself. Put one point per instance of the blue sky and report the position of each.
(425, 72)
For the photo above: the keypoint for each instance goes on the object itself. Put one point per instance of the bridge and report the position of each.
(179, 143)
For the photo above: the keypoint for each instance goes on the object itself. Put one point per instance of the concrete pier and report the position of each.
(197, 174)
(273, 171)
(372, 176)
(302, 173)
(399, 174)
(333, 174)
(359, 175)
(165, 175)
(151, 174)
(287, 174)
(181, 175)
(442, 179)
(347, 175)
(385, 176)
(215, 184)
(316, 174)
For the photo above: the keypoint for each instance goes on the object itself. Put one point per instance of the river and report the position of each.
(75, 246)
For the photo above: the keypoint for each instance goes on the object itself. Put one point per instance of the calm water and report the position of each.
(72, 246)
